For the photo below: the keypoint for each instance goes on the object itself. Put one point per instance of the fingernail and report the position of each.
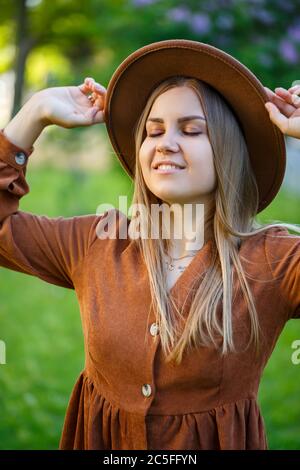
(280, 88)
(100, 88)
(268, 106)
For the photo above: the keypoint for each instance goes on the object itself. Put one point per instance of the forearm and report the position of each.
(27, 124)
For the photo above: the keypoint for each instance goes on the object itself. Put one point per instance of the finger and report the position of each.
(279, 100)
(290, 98)
(97, 89)
(87, 85)
(273, 95)
(294, 89)
(99, 117)
(84, 88)
(89, 81)
(99, 102)
(95, 115)
(296, 100)
(277, 117)
(269, 93)
(95, 97)
(284, 94)
(95, 86)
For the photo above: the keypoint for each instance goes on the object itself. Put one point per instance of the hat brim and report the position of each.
(136, 77)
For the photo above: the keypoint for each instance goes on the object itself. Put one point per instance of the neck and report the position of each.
(190, 229)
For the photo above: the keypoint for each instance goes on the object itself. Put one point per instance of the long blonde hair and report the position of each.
(236, 204)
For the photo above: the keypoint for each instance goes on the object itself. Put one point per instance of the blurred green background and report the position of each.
(71, 172)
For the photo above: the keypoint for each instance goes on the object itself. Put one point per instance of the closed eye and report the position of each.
(184, 132)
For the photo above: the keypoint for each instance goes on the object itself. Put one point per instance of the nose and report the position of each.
(166, 146)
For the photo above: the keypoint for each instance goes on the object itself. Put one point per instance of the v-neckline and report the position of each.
(186, 276)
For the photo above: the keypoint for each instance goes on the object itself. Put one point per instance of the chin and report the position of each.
(170, 199)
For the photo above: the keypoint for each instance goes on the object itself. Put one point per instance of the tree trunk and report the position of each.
(24, 45)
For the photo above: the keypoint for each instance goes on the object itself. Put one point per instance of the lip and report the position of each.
(167, 172)
(167, 162)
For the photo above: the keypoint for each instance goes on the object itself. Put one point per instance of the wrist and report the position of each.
(27, 124)
(38, 110)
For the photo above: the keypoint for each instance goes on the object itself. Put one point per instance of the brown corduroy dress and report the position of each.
(127, 397)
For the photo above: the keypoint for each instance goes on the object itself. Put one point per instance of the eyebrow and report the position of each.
(182, 119)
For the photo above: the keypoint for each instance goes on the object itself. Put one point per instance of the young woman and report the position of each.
(176, 334)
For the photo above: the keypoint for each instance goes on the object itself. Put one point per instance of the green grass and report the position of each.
(280, 385)
(40, 324)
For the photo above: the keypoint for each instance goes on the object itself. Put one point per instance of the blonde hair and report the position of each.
(236, 204)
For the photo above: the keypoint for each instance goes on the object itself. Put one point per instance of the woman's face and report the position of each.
(172, 137)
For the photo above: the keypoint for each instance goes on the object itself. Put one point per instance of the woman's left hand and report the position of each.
(284, 109)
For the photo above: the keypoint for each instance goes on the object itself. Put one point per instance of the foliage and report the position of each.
(94, 37)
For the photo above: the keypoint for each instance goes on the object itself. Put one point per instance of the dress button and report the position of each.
(154, 329)
(20, 158)
(146, 390)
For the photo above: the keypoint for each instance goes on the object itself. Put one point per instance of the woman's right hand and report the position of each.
(70, 106)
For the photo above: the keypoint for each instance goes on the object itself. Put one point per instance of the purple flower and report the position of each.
(223, 41)
(285, 5)
(225, 3)
(179, 14)
(294, 32)
(209, 7)
(142, 3)
(225, 21)
(265, 59)
(200, 23)
(288, 51)
(264, 16)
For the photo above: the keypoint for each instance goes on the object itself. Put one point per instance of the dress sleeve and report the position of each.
(283, 254)
(48, 248)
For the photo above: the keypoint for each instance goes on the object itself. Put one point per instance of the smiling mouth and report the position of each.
(169, 170)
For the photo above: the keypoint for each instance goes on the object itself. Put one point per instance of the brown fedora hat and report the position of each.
(138, 75)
